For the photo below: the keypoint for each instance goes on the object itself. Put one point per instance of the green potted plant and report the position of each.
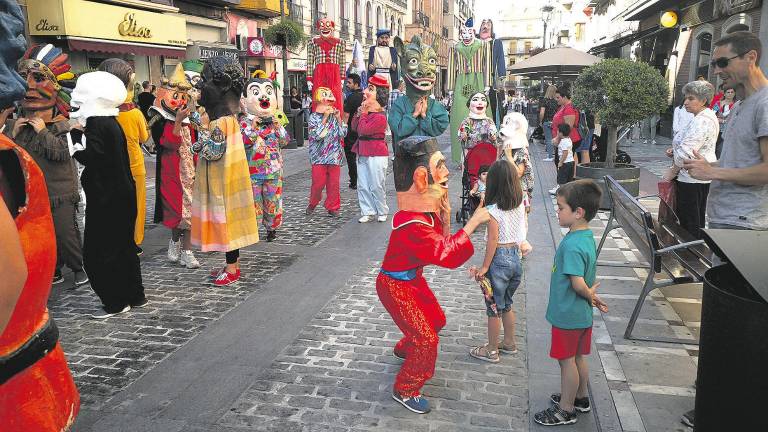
(285, 33)
(619, 92)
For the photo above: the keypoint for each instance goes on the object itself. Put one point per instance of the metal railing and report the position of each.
(421, 19)
(358, 31)
(369, 36)
(446, 9)
(344, 31)
(296, 13)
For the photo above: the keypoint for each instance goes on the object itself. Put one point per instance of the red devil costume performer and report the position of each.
(420, 237)
(326, 57)
(36, 389)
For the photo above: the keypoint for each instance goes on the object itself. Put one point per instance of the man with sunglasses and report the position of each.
(738, 197)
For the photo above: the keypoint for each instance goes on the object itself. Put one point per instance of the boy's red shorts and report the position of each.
(567, 343)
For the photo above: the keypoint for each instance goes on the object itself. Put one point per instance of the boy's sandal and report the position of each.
(508, 349)
(482, 353)
(554, 416)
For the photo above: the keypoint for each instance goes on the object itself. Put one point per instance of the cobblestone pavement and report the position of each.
(338, 374)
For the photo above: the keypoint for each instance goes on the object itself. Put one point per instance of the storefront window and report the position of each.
(704, 43)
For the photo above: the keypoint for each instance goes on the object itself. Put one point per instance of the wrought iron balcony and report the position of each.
(369, 37)
(358, 31)
(421, 19)
(296, 13)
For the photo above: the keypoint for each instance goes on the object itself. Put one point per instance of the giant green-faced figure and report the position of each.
(416, 113)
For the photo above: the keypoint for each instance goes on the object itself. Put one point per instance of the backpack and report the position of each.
(583, 126)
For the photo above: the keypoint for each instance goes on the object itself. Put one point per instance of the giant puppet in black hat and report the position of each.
(420, 237)
(382, 59)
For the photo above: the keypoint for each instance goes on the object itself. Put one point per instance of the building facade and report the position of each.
(428, 21)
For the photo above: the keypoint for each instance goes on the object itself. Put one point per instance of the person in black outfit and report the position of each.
(146, 98)
(98, 142)
(295, 99)
(351, 104)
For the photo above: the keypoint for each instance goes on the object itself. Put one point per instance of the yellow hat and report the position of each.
(179, 79)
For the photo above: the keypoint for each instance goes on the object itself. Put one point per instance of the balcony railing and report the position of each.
(358, 31)
(369, 37)
(296, 13)
(344, 32)
(421, 19)
(445, 6)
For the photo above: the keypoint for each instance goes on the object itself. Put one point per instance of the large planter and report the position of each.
(626, 174)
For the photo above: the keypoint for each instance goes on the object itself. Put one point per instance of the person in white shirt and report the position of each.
(680, 119)
(699, 136)
(565, 165)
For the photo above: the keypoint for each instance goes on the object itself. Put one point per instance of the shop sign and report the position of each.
(297, 65)
(257, 48)
(207, 52)
(88, 19)
(725, 8)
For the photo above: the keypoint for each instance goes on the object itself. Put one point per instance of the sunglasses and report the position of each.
(722, 62)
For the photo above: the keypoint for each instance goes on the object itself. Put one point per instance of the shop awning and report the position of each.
(101, 45)
(554, 62)
(625, 40)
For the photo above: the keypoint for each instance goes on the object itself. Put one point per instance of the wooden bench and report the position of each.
(663, 243)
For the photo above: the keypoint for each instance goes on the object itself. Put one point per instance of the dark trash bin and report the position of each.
(732, 377)
(295, 129)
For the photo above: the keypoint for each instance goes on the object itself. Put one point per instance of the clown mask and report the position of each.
(260, 98)
(325, 99)
(467, 35)
(326, 27)
(477, 105)
(486, 29)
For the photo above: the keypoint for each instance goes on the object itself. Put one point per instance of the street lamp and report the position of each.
(546, 11)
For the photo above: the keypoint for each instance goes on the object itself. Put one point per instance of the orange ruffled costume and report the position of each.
(42, 396)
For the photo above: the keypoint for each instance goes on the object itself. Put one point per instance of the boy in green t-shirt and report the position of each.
(572, 291)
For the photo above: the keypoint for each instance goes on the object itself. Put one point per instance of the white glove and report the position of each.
(75, 147)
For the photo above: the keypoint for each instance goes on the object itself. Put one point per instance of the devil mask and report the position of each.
(326, 27)
(419, 62)
(96, 94)
(421, 175)
(45, 69)
(477, 104)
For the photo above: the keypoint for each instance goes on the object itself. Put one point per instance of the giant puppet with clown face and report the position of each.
(382, 59)
(264, 136)
(469, 72)
(326, 58)
(417, 113)
(420, 237)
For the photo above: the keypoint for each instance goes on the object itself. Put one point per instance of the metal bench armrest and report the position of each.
(680, 246)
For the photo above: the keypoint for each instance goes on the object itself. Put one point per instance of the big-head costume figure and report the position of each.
(36, 388)
(326, 58)
(498, 69)
(420, 237)
(469, 71)
(417, 113)
(382, 59)
(41, 130)
(98, 143)
(223, 217)
(264, 136)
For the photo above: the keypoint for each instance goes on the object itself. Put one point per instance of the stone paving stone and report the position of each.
(338, 373)
(107, 355)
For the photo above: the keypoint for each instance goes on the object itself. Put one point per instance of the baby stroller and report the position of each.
(482, 154)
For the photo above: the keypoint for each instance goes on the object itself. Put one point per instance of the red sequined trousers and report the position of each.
(417, 313)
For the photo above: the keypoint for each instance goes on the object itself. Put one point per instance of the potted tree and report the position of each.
(619, 92)
(289, 35)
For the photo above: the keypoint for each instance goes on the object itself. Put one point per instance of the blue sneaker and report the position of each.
(417, 404)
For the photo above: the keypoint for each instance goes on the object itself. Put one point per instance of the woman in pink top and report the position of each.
(566, 114)
(370, 122)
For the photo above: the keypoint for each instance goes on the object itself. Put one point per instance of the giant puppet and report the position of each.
(223, 217)
(173, 134)
(41, 130)
(264, 137)
(98, 143)
(326, 58)
(498, 69)
(469, 71)
(36, 387)
(382, 59)
(417, 113)
(420, 237)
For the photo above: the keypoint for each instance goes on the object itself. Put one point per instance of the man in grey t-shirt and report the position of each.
(738, 195)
